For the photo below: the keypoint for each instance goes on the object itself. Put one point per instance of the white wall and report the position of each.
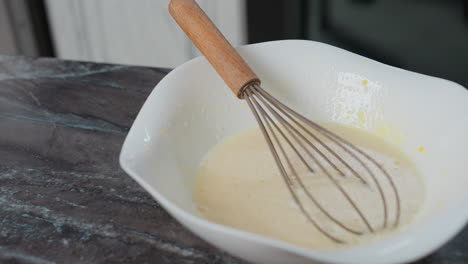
(139, 32)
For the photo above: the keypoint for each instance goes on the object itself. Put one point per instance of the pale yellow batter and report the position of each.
(239, 185)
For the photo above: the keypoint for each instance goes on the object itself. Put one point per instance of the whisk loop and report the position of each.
(283, 129)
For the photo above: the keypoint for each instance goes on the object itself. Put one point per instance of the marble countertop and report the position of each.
(63, 196)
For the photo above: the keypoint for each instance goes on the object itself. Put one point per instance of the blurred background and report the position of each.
(426, 36)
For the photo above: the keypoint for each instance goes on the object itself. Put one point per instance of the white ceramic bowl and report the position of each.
(191, 110)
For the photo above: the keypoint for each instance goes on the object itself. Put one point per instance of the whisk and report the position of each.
(289, 133)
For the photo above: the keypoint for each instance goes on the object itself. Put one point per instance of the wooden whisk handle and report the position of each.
(235, 72)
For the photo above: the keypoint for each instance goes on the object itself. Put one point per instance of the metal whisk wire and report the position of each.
(276, 120)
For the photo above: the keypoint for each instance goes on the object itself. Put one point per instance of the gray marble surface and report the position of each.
(63, 196)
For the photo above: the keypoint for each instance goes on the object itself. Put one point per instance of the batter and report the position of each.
(239, 185)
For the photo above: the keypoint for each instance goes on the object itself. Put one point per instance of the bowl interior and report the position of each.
(192, 110)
